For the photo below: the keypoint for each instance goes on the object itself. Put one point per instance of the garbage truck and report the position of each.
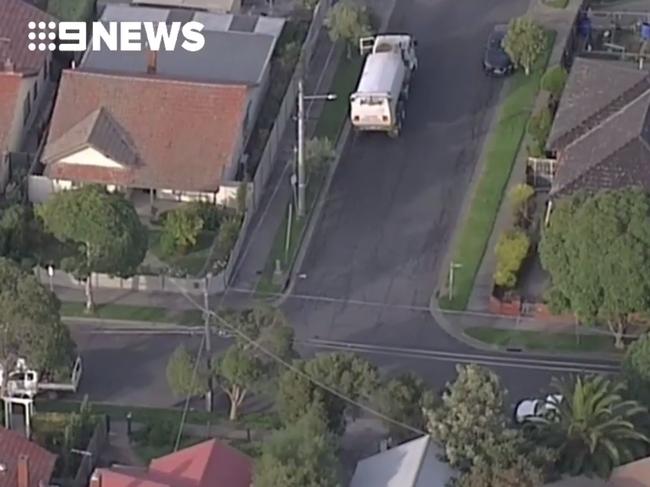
(23, 381)
(379, 102)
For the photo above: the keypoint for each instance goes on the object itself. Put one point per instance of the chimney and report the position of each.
(152, 61)
(23, 471)
(96, 479)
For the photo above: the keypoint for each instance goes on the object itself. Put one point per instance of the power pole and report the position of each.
(301, 149)
(209, 403)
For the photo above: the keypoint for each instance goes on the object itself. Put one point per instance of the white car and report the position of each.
(529, 408)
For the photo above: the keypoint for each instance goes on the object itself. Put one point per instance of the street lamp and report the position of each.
(452, 267)
(208, 349)
(301, 140)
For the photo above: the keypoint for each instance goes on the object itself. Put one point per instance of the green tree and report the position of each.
(105, 227)
(512, 248)
(15, 229)
(30, 324)
(181, 376)
(403, 399)
(636, 369)
(597, 251)
(180, 231)
(301, 455)
(520, 196)
(554, 80)
(228, 234)
(319, 153)
(237, 372)
(590, 425)
(524, 42)
(539, 127)
(349, 374)
(470, 417)
(349, 22)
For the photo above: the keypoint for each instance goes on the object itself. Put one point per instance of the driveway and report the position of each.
(376, 252)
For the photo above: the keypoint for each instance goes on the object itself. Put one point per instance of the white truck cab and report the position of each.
(379, 102)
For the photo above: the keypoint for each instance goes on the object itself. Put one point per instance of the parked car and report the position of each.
(529, 408)
(496, 61)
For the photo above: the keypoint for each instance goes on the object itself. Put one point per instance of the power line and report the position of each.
(296, 370)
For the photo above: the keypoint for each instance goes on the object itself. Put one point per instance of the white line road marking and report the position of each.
(522, 361)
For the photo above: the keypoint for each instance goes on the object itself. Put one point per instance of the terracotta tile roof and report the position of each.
(208, 464)
(602, 129)
(41, 461)
(634, 474)
(9, 90)
(182, 135)
(14, 17)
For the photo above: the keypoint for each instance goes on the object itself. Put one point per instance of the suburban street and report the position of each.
(375, 255)
(376, 252)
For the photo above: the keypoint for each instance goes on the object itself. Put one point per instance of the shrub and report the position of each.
(210, 214)
(519, 197)
(181, 229)
(228, 234)
(511, 250)
(157, 432)
(319, 153)
(349, 22)
(554, 80)
(539, 126)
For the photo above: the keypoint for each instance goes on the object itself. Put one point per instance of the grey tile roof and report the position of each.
(602, 128)
(100, 131)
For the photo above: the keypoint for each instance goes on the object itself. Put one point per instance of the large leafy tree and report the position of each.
(636, 369)
(590, 425)
(470, 415)
(348, 374)
(403, 399)
(251, 364)
(184, 376)
(30, 324)
(597, 250)
(349, 22)
(105, 228)
(301, 455)
(524, 42)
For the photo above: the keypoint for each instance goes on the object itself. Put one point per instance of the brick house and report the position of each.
(22, 462)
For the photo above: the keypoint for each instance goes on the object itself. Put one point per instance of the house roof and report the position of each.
(210, 5)
(40, 461)
(602, 128)
(237, 48)
(9, 93)
(166, 134)
(411, 463)
(208, 464)
(15, 16)
(634, 474)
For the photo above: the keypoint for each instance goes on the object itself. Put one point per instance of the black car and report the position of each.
(496, 61)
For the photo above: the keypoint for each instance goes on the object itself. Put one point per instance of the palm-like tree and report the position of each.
(590, 425)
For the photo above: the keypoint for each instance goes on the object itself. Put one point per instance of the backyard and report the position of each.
(502, 149)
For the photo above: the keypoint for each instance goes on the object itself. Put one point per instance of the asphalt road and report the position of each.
(129, 367)
(376, 251)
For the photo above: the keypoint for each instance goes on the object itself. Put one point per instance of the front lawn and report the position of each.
(501, 154)
(542, 340)
(330, 124)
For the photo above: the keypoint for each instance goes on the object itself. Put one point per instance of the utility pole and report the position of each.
(301, 149)
(301, 142)
(209, 403)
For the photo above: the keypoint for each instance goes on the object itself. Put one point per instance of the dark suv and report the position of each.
(496, 61)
